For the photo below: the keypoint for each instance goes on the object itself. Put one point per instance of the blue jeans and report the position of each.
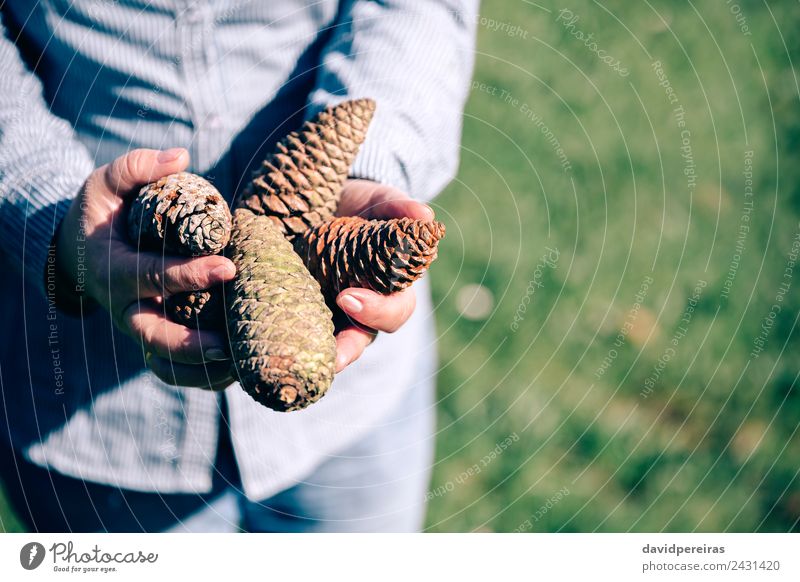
(376, 485)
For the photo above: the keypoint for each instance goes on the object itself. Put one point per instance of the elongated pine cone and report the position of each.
(280, 329)
(198, 309)
(300, 184)
(382, 255)
(180, 214)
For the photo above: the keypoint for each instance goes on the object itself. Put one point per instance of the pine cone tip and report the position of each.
(383, 255)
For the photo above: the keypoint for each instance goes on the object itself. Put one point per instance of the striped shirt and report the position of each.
(84, 81)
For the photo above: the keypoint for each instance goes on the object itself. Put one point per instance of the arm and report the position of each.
(48, 185)
(42, 168)
(414, 57)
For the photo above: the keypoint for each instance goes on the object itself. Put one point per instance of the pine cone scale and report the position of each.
(279, 325)
(281, 331)
(385, 256)
(180, 214)
(301, 183)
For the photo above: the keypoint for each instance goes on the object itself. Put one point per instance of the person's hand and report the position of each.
(130, 284)
(370, 312)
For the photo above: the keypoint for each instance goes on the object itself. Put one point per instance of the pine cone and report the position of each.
(300, 184)
(181, 214)
(198, 309)
(382, 255)
(280, 329)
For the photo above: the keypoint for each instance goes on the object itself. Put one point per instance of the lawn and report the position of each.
(629, 200)
(616, 298)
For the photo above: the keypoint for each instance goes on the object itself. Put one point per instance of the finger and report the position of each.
(144, 275)
(166, 339)
(350, 344)
(373, 200)
(400, 208)
(212, 376)
(139, 167)
(382, 312)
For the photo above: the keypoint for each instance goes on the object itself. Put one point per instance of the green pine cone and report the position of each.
(280, 329)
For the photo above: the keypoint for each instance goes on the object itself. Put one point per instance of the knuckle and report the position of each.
(409, 305)
(149, 335)
(177, 279)
(187, 277)
(404, 310)
(153, 276)
(97, 179)
(110, 176)
(132, 165)
(127, 320)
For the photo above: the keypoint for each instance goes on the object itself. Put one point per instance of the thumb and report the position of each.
(143, 275)
(139, 167)
(373, 200)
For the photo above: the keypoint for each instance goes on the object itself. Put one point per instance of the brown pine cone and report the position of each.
(280, 329)
(382, 255)
(180, 214)
(198, 309)
(300, 184)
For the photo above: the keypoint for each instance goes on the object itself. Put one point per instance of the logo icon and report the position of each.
(31, 555)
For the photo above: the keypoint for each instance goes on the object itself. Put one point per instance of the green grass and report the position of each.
(715, 445)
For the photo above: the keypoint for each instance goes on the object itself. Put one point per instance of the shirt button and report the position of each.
(193, 14)
(213, 121)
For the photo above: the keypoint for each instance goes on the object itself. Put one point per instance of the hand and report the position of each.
(370, 312)
(130, 284)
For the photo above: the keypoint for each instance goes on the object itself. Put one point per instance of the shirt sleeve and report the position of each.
(42, 168)
(415, 59)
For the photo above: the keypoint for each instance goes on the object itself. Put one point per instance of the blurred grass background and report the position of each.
(715, 445)
(532, 437)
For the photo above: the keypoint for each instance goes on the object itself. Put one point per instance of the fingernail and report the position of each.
(169, 155)
(350, 304)
(216, 355)
(430, 209)
(341, 362)
(223, 272)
